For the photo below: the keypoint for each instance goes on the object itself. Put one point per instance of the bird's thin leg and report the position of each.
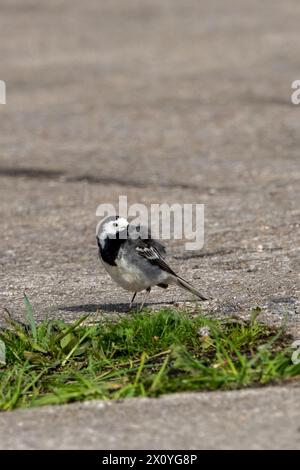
(145, 297)
(130, 305)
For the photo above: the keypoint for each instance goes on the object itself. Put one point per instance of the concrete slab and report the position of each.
(266, 418)
(163, 103)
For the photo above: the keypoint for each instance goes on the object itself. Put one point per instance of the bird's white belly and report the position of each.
(128, 276)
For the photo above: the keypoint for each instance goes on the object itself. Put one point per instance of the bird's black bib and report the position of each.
(110, 249)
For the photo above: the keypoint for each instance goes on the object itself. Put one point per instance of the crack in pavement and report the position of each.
(39, 173)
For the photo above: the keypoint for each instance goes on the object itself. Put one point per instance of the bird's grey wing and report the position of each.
(157, 245)
(147, 248)
(145, 235)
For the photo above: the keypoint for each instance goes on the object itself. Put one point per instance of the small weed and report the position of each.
(147, 354)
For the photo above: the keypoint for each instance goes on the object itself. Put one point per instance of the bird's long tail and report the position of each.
(186, 285)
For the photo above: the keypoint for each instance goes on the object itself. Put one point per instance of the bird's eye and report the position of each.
(115, 224)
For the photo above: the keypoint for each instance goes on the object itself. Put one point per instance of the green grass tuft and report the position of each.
(146, 354)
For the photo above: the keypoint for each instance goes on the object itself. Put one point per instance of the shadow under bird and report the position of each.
(135, 260)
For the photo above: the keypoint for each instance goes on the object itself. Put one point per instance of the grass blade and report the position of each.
(30, 317)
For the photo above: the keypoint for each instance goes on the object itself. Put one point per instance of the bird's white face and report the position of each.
(113, 226)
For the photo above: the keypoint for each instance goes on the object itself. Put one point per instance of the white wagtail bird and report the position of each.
(134, 259)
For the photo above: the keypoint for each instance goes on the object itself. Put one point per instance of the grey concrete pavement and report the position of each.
(266, 418)
(162, 101)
